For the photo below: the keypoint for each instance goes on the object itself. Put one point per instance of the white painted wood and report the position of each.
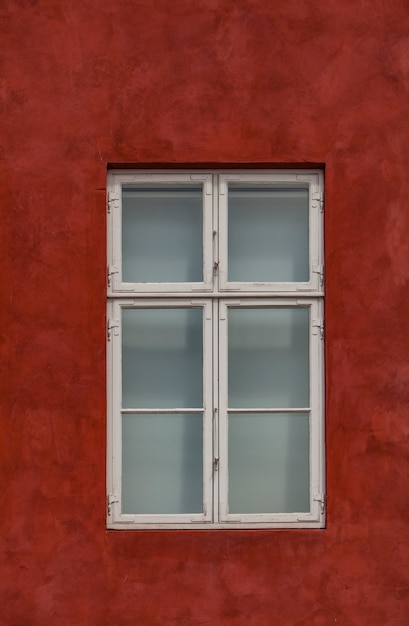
(314, 180)
(214, 295)
(119, 179)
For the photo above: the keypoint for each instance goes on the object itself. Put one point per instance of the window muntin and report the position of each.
(219, 396)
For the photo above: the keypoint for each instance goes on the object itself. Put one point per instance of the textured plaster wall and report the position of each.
(86, 83)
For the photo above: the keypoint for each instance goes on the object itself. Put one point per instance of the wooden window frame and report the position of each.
(214, 295)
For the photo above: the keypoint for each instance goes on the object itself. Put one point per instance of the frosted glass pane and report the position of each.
(268, 357)
(268, 234)
(269, 463)
(162, 238)
(162, 464)
(162, 358)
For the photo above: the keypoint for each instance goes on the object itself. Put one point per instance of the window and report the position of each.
(215, 351)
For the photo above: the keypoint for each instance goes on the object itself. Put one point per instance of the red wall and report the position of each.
(87, 83)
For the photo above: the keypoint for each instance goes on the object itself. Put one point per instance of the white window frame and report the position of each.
(314, 410)
(116, 181)
(314, 182)
(214, 295)
(116, 410)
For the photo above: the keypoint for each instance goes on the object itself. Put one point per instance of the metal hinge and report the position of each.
(112, 201)
(216, 463)
(111, 499)
(318, 196)
(112, 328)
(321, 498)
(319, 269)
(112, 269)
(318, 327)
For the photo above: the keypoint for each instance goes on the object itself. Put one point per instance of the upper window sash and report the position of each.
(271, 232)
(158, 246)
(174, 232)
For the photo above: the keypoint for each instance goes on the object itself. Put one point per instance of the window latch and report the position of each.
(112, 328)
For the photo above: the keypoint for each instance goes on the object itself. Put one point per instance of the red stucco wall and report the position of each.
(86, 83)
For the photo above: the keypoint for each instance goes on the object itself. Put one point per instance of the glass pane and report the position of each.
(162, 464)
(162, 358)
(268, 357)
(269, 463)
(162, 234)
(268, 234)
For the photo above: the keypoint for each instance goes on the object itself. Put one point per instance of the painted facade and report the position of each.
(89, 85)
